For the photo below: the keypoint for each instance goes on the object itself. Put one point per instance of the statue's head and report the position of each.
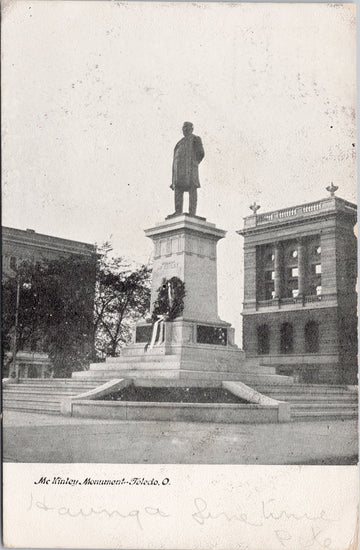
(187, 128)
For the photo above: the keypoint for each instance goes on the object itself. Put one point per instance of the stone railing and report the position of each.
(300, 211)
(320, 298)
(298, 300)
(267, 303)
(330, 204)
(296, 211)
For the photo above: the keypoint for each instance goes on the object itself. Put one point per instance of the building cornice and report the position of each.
(29, 238)
(330, 207)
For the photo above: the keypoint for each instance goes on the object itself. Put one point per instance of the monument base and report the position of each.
(184, 350)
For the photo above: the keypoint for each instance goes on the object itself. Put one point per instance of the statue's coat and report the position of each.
(188, 153)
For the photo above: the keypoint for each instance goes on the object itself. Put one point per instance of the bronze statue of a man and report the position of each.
(188, 154)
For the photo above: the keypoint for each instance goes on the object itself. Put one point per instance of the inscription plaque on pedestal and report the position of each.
(143, 334)
(217, 336)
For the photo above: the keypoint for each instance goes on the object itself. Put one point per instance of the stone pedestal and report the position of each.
(185, 247)
(198, 341)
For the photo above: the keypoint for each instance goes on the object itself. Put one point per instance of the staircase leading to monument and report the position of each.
(314, 401)
(43, 395)
(307, 401)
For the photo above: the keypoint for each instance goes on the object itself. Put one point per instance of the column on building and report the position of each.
(301, 267)
(328, 262)
(277, 269)
(250, 274)
(260, 278)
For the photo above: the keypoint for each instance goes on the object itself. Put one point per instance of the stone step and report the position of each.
(49, 393)
(324, 407)
(198, 357)
(120, 367)
(192, 350)
(29, 398)
(140, 357)
(253, 360)
(223, 367)
(37, 396)
(96, 378)
(319, 388)
(67, 389)
(314, 399)
(302, 416)
(185, 365)
(176, 383)
(31, 405)
(47, 380)
(75, 384)
(93, 376)
(233, 376)
(336, 413)
(293, 389)
(310, 393)
(102, 376)
(130, 351)
(34, 410)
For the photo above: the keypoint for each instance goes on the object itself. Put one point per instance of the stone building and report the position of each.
(300, 301)
(19, 245)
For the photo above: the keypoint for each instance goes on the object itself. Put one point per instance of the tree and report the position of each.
(55, 313)
(122, 297)
(74, 308)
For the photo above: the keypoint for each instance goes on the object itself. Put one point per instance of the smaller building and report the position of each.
(300, 301)
(27, 245)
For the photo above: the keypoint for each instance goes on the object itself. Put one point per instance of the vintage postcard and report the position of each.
(179, 275)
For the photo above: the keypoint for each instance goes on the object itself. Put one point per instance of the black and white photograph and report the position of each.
(179, 268)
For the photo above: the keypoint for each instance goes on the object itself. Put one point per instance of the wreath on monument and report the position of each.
(170, 299)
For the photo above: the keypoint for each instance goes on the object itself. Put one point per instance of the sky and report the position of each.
(95, 94)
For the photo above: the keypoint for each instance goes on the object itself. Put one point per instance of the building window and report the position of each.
(311, 337)
(315, 268)
(286, 338)
(13, 263)
(290, 270)
(292, 283)
(269, 284)
(263, 338)
(269, 292)
(269, 257)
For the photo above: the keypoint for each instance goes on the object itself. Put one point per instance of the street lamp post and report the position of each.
(15, 370)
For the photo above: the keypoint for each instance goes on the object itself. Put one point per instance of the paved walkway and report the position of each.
(30, 437)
